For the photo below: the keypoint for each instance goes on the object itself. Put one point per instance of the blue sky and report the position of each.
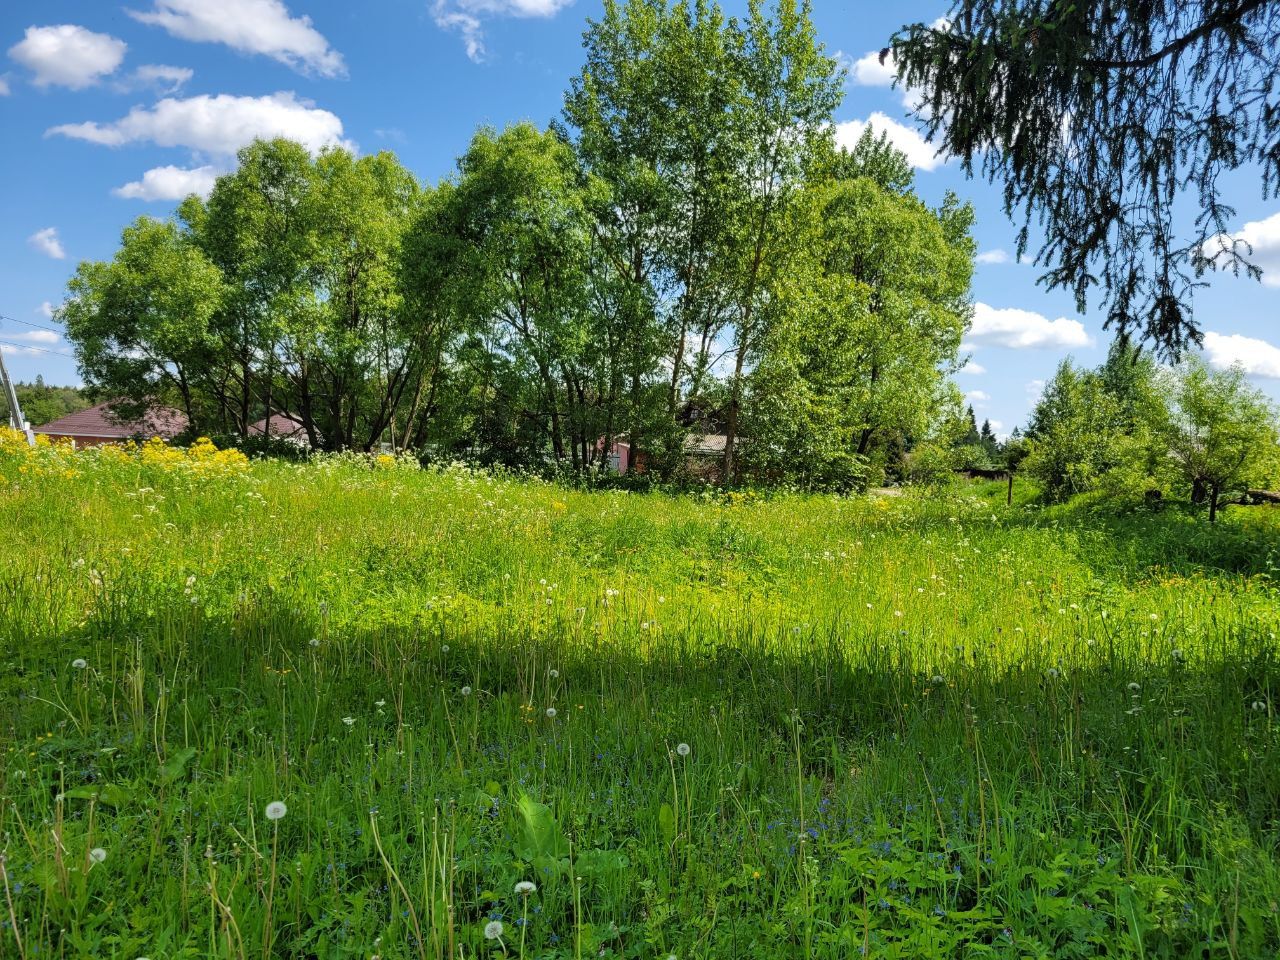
(112, 110)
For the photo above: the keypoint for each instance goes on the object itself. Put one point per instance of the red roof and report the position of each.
(100, 423)
(283, 425)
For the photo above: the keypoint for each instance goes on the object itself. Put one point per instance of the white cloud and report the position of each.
(220, 125)
(1257, 358)
(1035, 388)
(976, 369)
(467, 17)
(159, 76)
(977, 396)
(1264, 237)
(47, 337)
(4, 86)
(993, 256)
(250, 26)
(920, 153)
(47, 242)
(67, 55)
(45, 310)
(170, 183)
(868, 71)
(1023, 329)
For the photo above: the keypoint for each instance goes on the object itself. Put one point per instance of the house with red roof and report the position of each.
(99, 424)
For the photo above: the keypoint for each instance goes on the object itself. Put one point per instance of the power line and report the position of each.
(38, 326)
(27, 346)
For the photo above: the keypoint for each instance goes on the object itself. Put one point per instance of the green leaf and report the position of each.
(539, 834)
(173, 768)
(667, 822)
(110, 794)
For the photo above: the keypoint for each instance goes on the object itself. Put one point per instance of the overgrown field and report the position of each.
(721, 727)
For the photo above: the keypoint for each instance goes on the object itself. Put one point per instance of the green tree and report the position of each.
(1074, 433)
(788, 90)
(41, 402)
(142, 323)
(1222, 433)
(861, 330)
(1096, 115)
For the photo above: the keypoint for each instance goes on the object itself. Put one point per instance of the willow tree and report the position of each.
(1097, 116)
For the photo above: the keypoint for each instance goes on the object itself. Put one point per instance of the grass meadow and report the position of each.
(356, 709)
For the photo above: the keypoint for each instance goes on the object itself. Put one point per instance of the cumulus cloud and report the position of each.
(993, 256)
(263, 27)
(67, 55)
(977, 396)
(45, 309)
(920, 153)
(467, 17)
(868, 71)
(1257, 358)
(45, 337)
(4, 86)
(215, 124)
(170, 183)
(47, 242)
(975, 369)
(1263, 236)
(1023, 329)
(159, 76)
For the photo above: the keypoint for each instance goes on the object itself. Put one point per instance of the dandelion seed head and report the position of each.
(79, 663)
(493, 930)
(97, 855)
(526, 887)
(551, 713)
(683, 749)
(276, 810)
(466, 691)
(553, 673)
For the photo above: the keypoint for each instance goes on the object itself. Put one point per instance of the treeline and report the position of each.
(41, 402)
(1132, 430)
(686, 251)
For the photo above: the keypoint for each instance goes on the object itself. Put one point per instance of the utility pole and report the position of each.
(15, 411)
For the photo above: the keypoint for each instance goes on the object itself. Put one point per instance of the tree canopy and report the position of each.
(688, 252)
(1097, 116)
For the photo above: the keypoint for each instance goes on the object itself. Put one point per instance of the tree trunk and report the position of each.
(1214, 493)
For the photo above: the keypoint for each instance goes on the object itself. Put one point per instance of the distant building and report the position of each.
(98, 425)
(283, 427)
(703, 455)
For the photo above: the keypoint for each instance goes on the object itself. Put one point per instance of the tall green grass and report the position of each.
(916, 726)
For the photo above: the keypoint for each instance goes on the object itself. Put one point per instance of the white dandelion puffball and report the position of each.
(493, 930)
(683, 749)
(526, 887)
(97, 854)
(1134, 686)
(276, 810)
(466, 691)
(553, 673)
(551, 713)
(1052, 673)
(349, 721)
(445, 648)
(79, 663)
(315, 641)
(939, 678)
